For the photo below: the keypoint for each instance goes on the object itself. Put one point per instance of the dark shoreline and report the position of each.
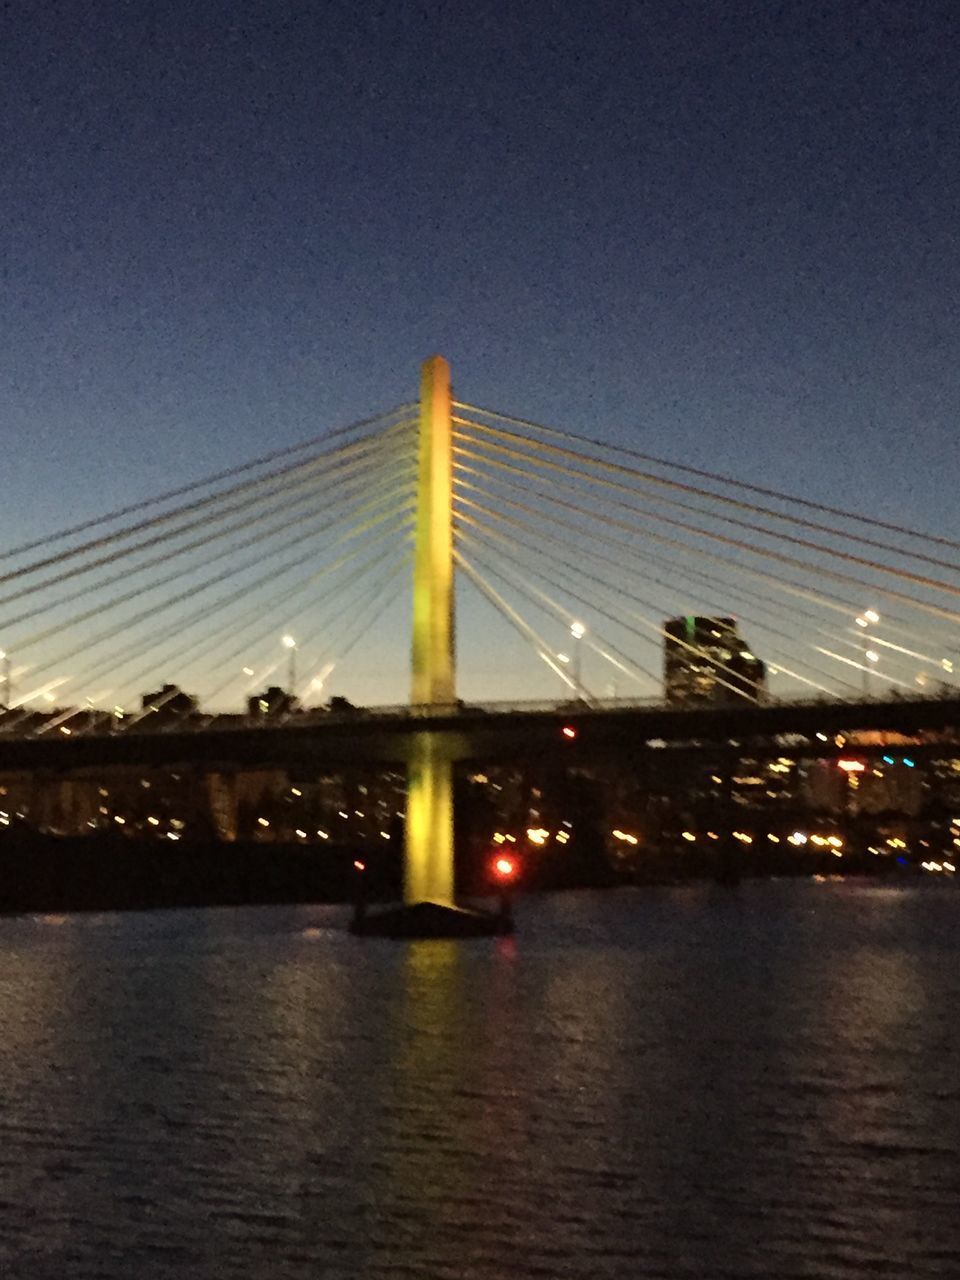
(50, 874)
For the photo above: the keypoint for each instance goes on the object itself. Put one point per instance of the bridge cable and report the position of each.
(819, 548)
(243, 506)
(780, 557)
(656, 627)
(713, 476)
(206, 611)
(188, 652)
(511, 559)
(230, 473)
(349, 490)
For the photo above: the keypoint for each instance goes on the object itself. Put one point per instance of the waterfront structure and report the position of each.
(707, 661)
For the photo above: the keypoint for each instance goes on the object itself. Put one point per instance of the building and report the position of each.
(272, 702)
(707, 662)
(169, 703)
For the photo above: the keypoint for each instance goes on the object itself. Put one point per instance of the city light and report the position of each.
(504, 868)
(851, 766)
(290, 644)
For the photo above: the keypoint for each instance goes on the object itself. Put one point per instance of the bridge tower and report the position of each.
(428, 868)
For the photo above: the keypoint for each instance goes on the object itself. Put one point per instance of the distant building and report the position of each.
(170, 701)
(272, 702)
(707, 662)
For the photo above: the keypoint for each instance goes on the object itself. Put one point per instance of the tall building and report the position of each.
(707, 662)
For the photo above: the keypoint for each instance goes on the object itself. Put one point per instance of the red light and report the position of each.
(569, 731)
(505, 868)
(851, 766)
(360, 866)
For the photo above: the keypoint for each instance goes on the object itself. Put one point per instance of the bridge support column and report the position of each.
(428, 869)
(428, 908)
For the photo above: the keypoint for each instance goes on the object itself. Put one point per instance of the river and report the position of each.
(688, 1082)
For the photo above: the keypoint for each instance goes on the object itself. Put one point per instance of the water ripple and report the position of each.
(669, 1084)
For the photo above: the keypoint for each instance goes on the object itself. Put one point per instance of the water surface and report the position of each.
(678, 1083)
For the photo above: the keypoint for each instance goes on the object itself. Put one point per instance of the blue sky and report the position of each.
(722, 233)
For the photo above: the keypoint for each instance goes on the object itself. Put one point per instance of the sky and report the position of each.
(722, 233)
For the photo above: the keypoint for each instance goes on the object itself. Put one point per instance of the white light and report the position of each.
(861, 622)
(564, 658)
(248, 671)
(871, 615)
(946, 664)
(288, 642)
(577, 630)
(872, 656)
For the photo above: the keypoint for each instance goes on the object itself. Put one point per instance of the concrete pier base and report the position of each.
(430, 920)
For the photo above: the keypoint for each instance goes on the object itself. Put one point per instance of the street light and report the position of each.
(290, 643)
(864, 620)
(578, 631)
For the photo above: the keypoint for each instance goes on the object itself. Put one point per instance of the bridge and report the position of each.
(582, 549)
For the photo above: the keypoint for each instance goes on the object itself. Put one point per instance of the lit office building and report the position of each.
(707, 662)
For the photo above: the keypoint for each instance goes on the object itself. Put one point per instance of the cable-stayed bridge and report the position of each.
(256, 587)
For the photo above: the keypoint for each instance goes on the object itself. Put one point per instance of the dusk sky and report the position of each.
(722, 233)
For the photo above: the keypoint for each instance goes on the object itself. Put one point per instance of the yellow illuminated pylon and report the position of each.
(428, 865)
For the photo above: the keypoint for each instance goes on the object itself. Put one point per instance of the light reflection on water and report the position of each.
(677, 1083)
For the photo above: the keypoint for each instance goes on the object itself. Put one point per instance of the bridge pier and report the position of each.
(428, 863)
(428, 885)
(223, 805)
